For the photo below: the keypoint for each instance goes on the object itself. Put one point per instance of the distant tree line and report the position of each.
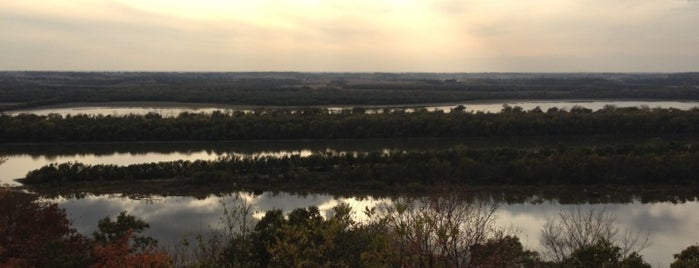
(27, 89)
(35, 233)
(317, 123)
(434, 231)
(653, 163)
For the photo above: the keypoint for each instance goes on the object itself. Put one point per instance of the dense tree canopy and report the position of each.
(35, 233)
(689, 257)
(438, 230)
(316, 123)
(27, 89)
(652, 163)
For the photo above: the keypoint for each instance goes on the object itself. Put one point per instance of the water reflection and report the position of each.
(117, 110)
(22, 158)
(18, 165)
(170, 110)
(496, 107)
(173, 217)
(671, 227)
(313, 145)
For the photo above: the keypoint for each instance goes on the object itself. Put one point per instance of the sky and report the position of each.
(351, 35)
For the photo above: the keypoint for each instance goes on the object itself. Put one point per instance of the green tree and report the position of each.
(579, 235)
(603, 254)
(504, 252)
(266, 233)
(688, 258)
(441, 229)
(37, 234)
(109, 230)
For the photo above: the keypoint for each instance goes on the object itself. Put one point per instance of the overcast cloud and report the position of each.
(358, 35)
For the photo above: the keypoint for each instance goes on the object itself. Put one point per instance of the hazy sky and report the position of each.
(351, 35)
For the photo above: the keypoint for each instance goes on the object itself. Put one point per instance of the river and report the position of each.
(174, 109)
(671, 226)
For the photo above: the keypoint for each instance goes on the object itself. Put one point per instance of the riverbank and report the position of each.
(155, 106)
(588, 194)
(320, 124)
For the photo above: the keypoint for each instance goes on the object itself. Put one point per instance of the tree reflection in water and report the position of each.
(671, 226)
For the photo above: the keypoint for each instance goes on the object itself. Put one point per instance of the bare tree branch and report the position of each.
(578, 228)
(442, 228)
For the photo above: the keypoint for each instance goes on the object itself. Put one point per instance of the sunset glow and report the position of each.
(385, 35)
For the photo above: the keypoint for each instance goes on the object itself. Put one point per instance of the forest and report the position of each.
(444, 193)
(31, 89)
(654, 163)
(438, 230)
(318, 123)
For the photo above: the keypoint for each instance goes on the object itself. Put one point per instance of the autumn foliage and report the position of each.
(118, 253)
(38, 234)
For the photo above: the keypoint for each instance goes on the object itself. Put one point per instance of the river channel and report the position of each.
(174, 109)
(670, 226)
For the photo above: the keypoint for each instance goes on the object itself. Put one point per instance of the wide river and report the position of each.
(670, 226)
(173, 109)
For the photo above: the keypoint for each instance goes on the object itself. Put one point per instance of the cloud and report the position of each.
(384, 35)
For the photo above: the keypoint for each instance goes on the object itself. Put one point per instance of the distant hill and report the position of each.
(27, 89)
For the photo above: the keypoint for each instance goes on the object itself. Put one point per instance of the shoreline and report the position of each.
(566, 140)
(510, 194)
(224, 106)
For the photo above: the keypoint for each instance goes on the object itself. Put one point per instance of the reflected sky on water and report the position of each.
(671, 227)
(18, 165)
(170, 110)
(173, 217)
(22, 158)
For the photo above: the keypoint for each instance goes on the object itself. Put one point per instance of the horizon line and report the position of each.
(352, 72)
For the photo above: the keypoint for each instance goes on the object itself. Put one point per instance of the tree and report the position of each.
(504, 252)
(117, 246)
(688, 258)
(581, 232)
(238, 222)
(305, 240)
(603, 254)
(266, 232)
(441, 229)
(108, 231)
(37, 234)
(119, 252)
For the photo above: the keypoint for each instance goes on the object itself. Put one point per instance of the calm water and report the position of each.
(488, 107)
(18, 165)
(671, 227)
(22, 158)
